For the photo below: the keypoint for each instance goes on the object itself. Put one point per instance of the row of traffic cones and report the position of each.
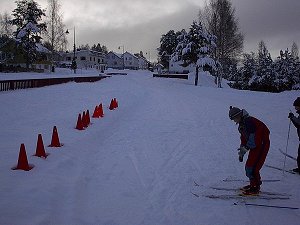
(84, 120)
(82, 123)
(39, 152)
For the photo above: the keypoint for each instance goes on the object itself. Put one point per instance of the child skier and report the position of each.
(296, 122)
(255, 139)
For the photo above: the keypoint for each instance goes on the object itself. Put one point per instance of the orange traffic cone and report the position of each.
(22, 161)
(100, 109)
(112, 105)
(96, 112)
(79, 125)
(116, 103)
(55, 139)
(40, 150)
(84, 121)
(88, 119)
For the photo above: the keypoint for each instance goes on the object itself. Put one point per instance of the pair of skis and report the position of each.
(238, 195)
(265, 195)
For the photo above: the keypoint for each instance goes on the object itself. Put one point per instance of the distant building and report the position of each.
(12, 59)
(126, 61)
(130, 61)
(175, 67)
(143, 63)
(114, 60)
(86, 59)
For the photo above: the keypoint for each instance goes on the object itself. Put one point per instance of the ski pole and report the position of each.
(287, 143)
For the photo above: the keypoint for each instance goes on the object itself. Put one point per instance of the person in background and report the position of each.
(254, 136)
(296, 121)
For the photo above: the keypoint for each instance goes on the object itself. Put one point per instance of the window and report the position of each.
(90, 58)
(82, 58)
(68, 58)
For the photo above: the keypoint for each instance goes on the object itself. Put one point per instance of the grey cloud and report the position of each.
(139, 24)
(273, 21)
(141, 37)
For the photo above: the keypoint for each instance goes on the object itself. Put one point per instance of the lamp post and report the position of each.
(149, 64)
(73, 65)
(122, 46)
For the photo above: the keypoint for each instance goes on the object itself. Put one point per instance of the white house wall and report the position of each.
(87, 59)
(175, 67)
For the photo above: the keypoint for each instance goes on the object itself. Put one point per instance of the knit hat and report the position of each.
(297, 102)
(234, 112)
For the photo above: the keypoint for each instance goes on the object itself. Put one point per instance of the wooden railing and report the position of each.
(7, 85)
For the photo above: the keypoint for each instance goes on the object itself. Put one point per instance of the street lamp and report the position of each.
(123, 56)
(149, 64)
(73, 65)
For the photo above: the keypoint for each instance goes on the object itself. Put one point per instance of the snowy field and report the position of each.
(138, 164)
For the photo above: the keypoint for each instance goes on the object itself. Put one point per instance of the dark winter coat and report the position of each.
(254, 136)
(296, 122)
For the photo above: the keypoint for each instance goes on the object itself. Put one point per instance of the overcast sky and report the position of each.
(138, 24)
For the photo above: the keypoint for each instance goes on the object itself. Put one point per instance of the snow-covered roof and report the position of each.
(41, 48)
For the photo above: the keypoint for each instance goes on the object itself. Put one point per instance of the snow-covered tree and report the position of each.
(259, 72)
(247, 72)
(287, 71)
(197, 47)
(28, 20)
(168, 43)
(265, 75)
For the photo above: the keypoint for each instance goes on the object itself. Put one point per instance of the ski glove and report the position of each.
(241, 152)
(291, 115)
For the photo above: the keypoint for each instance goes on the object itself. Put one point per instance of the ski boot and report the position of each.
(252, 191)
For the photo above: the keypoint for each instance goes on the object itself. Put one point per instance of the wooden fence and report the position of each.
(179, 76)
(7, 85)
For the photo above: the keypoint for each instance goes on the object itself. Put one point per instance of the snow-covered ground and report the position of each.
(138, 164)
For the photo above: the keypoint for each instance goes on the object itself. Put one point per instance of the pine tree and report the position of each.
(265, 76)
(27, 19)
(247, 72)
(168, 43)
(196, 48)
(288, 71)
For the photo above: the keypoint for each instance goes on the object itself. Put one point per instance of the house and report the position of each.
(143, 63)
(175, 67)
(130, 61)
(114, 60)
(126, 61)
(86, 59)
(12, 57)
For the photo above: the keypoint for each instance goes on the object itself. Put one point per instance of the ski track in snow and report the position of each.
(136, 165)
